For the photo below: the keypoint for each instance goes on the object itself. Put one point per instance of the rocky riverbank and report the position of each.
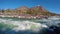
(24, 16)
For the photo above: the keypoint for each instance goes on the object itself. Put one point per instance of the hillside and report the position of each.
(36, 11)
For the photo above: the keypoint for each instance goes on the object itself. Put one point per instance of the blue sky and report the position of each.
(50, 5)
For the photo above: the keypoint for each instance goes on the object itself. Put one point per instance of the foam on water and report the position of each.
(23, 25)
(29, 25)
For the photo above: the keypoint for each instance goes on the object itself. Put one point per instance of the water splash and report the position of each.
(22, 25)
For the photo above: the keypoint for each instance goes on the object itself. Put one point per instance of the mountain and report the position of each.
(25, 11)
(23, 8)
(42, 11)
(38, 10)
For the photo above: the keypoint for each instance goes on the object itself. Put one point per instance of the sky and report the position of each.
(50, 5)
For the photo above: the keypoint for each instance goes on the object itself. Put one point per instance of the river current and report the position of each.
(29, 26)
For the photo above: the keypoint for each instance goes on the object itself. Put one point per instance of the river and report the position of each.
(28, 26)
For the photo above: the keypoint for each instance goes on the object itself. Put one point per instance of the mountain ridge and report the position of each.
(36, 11)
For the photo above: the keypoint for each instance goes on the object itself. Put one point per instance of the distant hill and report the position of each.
(25, 11)
(36, 10)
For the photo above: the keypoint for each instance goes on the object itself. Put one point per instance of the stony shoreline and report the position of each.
(24, 16)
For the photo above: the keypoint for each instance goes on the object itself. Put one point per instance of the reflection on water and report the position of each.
(29, 26)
